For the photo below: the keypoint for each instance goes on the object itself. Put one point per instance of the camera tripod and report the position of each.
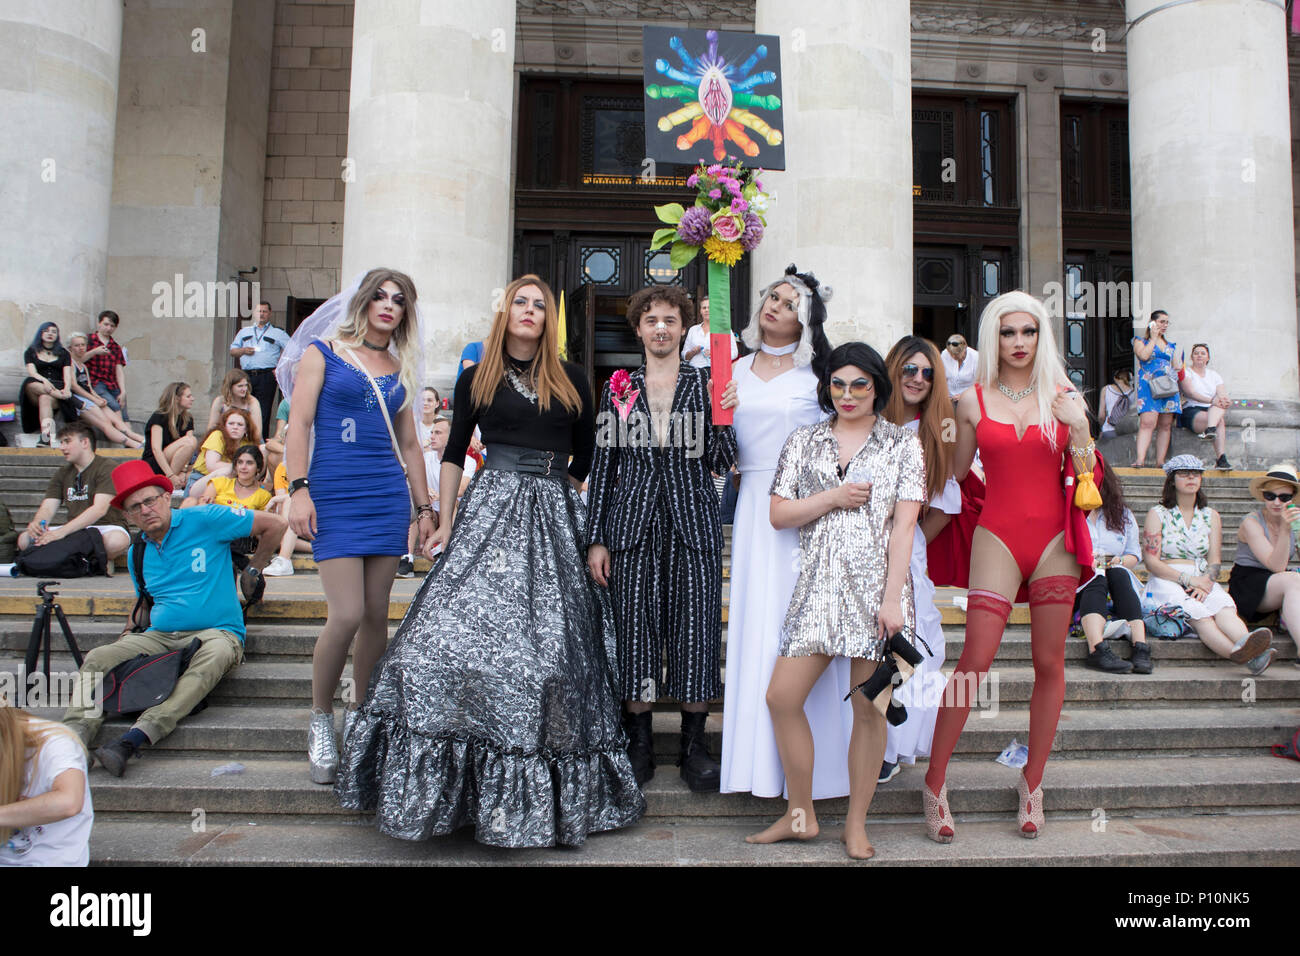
(41, 632)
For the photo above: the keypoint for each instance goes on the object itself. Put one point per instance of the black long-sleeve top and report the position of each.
(513, 419)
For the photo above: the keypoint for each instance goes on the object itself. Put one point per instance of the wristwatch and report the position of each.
(298, 483)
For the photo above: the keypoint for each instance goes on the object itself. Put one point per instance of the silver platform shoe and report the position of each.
(322, 747)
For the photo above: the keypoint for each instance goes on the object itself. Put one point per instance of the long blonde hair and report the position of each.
(18, 737)
(1048, 371)
(546, 372)
(406, 337)
(169, 406)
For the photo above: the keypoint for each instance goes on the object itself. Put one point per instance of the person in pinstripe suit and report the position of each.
(655, 535)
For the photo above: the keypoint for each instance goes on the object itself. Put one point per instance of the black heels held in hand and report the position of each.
(901, 661)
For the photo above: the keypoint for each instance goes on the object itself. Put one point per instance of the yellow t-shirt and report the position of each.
(225, 489)
(281, 480)
(214, 442)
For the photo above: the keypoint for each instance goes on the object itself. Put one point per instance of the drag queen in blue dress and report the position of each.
(495, 706)
(351, 502)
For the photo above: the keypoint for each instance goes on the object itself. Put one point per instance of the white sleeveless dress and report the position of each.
(764, 568)
(923, 693)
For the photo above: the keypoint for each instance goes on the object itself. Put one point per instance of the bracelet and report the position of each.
(297, 484)
(1085, 451)
(421, 510)
(1184, 579)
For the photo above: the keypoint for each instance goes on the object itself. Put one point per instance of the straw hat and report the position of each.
(1284, 473)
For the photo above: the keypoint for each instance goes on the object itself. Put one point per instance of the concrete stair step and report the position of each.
(158, 783)
(289, 682)
(1156, 840)
(265, 729)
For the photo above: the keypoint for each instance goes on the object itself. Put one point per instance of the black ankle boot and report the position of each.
(701, 772)
(640, 745)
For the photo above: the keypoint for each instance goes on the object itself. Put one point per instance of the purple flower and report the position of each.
(715, 193)
(714, 169)
(758, 185)
(695, 226)
(734, 188)
(692, 180)
(753, 234)
(739, 205)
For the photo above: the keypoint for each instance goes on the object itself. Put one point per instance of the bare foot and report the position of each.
(795, 825)
(856, 843)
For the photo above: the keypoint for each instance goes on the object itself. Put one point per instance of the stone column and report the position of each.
(58, 107)
(431, 121)
(844, 205)
(1210, 149)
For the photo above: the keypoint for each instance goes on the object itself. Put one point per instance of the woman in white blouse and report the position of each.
(1205, 402)
(1115, 553)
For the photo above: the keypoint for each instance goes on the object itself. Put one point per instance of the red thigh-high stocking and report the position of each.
(986, 619)
(1051, 603)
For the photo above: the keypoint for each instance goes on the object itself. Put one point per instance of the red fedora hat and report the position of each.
(129, 477)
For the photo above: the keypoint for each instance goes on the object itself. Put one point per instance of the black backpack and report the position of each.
(145, 681)
(74, 556)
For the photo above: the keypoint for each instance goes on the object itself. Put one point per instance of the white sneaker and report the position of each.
(278, 566)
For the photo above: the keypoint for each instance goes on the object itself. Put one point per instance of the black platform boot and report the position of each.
(701, 772)
(640, 745)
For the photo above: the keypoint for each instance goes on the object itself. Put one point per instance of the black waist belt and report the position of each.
(250, 372)
(528, 461)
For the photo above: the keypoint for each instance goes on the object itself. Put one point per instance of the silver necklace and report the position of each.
(1016, 396)
(775, 354)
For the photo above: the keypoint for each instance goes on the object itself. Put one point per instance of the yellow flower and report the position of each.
(728, 253)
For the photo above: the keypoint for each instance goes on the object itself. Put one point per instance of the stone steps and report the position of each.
(289, 683)
(159, 783)
(1221, 728)
(1160, 840)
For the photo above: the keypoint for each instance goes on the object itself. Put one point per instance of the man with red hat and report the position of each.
(187, 572)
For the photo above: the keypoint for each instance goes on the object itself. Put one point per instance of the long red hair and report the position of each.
(936, 411)
(546, 371)
(229, 445)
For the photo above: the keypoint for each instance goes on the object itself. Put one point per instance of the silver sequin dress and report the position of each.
(842, 555)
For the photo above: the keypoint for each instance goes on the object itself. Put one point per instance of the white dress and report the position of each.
(764, 568)
(923, 693)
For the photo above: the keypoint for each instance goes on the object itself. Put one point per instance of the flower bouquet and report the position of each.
(727, 221)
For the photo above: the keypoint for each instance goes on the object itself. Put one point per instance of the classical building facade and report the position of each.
(1115, 157)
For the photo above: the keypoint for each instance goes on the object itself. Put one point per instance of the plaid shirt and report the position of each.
(103, 368)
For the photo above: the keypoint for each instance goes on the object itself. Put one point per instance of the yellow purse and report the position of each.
(1086, 495)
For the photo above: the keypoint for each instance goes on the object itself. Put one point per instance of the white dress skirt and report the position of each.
(923, 693)
(764, 568)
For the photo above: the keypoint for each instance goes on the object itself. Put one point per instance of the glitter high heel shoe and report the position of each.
(938, 818)
(322, 748)
(1030, 810)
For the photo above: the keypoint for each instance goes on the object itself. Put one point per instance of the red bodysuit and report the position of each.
(1023, 504)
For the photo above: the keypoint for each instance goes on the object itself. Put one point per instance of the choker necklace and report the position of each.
(1016, 396)
(777, 353)
(376, 348)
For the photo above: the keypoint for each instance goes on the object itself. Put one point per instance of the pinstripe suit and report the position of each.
(656, 509)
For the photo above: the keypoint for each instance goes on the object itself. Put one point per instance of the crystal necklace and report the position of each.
(376, 348)
(1016, 396)
(778, 353)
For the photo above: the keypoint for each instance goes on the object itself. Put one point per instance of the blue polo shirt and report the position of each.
(190, 575)
(269, 342)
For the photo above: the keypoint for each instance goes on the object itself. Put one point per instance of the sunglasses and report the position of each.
(910, 369)
(1277, 495)
(953, 344)
(858, 388)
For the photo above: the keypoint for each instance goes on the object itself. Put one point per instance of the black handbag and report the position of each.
(146, 681)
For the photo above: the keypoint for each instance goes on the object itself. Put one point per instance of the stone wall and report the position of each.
(307, 140)
(183, 180)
